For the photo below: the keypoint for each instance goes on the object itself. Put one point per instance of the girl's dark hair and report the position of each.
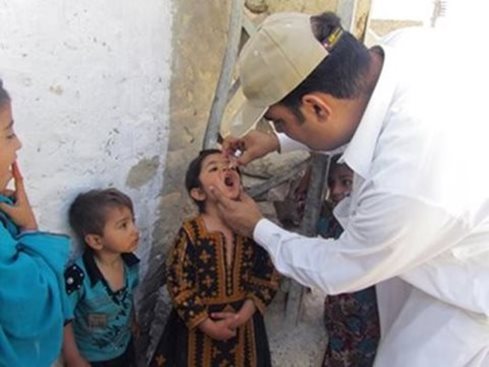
(341, 74)
(193, 172)
(4, 96)
(88, 212)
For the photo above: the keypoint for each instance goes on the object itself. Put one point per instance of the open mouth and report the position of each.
(229, 181)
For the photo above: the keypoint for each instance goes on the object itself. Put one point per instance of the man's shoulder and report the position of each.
(410, 38)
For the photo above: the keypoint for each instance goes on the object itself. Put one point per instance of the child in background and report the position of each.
(351, 319)
(31, 266)
(100, 284)
(220, 282)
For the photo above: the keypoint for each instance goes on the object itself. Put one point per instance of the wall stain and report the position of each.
(56, 89)
(142, 172)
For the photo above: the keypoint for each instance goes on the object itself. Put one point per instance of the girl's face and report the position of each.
(217, 171)
(339, 182)
(9, 144)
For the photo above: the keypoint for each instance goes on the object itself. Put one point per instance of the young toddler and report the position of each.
(100, 284)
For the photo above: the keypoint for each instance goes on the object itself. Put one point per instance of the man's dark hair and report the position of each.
(4, 96)
(193, 172)
(341, 74)
(88, 212)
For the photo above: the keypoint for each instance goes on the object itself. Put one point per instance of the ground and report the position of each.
(302, 345)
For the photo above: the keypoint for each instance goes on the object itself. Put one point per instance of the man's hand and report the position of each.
(241, 215)
(253, 145)
(21, 212)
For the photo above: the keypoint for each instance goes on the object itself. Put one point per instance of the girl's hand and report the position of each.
(233, 319)
(224, 330)
(21, 212)
(218, 330)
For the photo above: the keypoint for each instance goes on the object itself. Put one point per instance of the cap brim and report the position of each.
(243, 120)
(251, 115)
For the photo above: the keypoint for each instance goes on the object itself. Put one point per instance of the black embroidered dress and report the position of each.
(200, 282)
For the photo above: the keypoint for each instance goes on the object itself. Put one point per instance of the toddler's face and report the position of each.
(120, 234)
(218, 171)
(9, 144)
(339, 182)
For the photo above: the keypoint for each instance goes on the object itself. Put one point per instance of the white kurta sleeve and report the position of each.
(386, 235)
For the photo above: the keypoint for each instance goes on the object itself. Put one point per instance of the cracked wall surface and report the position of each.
(90, 84)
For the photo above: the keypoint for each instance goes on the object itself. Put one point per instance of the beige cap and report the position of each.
(275, 60)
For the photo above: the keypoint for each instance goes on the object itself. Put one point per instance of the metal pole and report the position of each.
(312, 210)
(225, 79)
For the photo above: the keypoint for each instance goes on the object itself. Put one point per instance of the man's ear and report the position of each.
(94, 241)
(316, 104)
(198, 194)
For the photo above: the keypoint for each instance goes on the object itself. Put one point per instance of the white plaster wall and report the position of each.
(89, 82)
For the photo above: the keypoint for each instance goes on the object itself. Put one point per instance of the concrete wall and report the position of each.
(90, 87)
(305, 6)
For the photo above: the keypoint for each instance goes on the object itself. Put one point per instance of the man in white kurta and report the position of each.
(417, 221)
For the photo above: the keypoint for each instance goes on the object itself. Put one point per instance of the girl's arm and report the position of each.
(32, 265)
(246, 312)
(31, 281)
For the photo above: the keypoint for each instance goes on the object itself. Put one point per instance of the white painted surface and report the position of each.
(90, 87)
(419, 10)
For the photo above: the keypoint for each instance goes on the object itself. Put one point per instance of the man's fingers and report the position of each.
(245, 198)
(229, 143)
(245, 158)
(224, 201)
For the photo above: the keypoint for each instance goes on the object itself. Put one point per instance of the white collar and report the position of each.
(359, 153)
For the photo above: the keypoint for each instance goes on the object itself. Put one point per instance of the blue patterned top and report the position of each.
(101, 318)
